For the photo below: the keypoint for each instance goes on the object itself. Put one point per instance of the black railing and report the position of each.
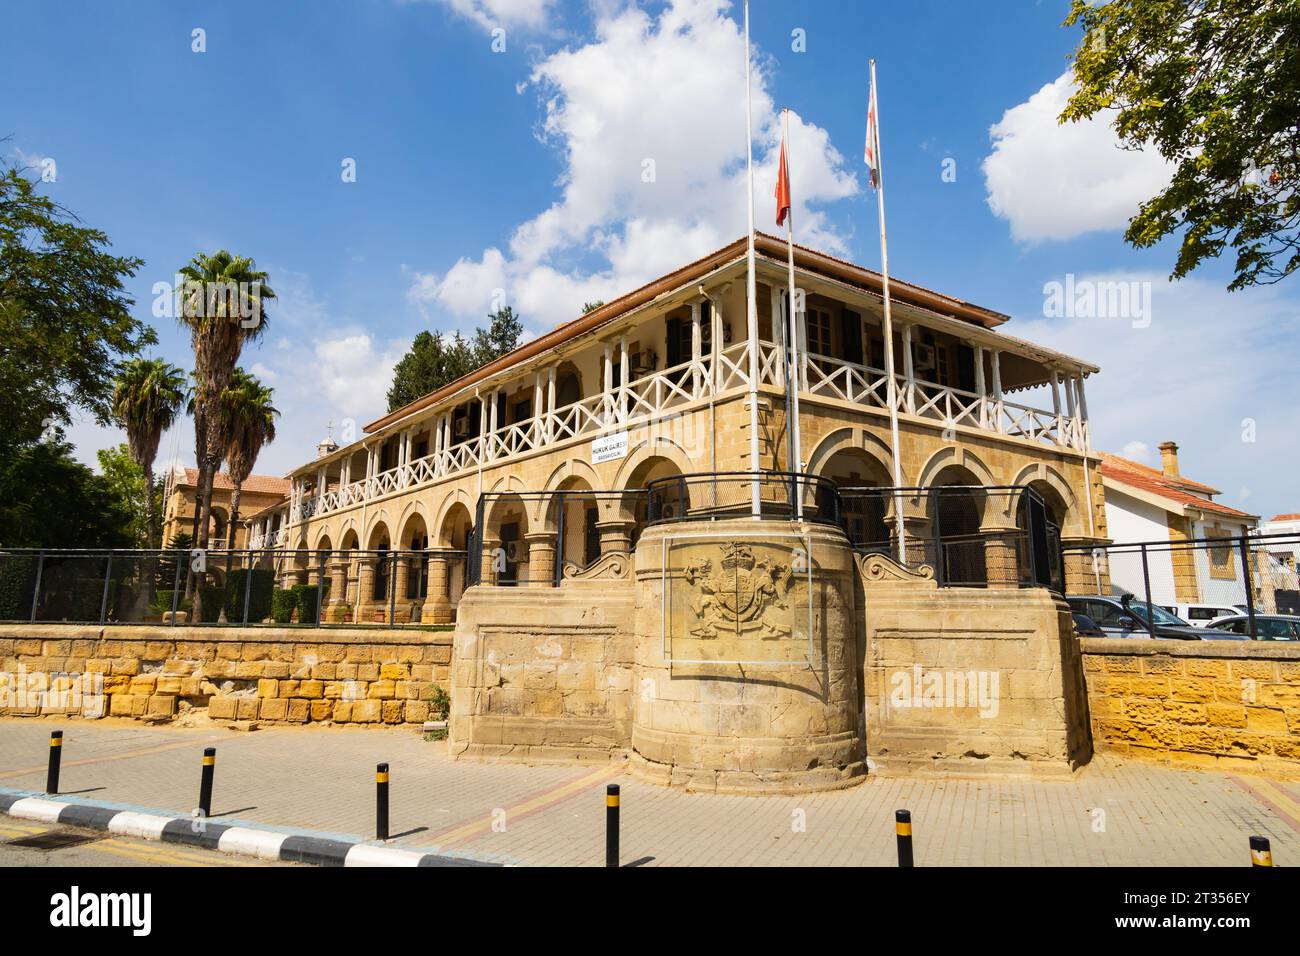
(216, 587)
(1252, 578)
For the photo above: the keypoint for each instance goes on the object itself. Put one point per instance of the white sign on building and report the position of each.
(608, 447)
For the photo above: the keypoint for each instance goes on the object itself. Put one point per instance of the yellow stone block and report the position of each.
(275, 708)
(395, 671)
(268, 688)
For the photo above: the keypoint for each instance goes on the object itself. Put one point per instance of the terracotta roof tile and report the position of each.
(253, 484)
(1178, 489)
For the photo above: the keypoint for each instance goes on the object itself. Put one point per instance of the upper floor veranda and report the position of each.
(682, 343)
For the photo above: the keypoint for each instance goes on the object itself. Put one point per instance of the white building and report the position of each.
(1180, 521)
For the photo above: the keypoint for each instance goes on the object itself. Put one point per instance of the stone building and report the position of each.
(1145, 505)
(670, 379)
(259, 492)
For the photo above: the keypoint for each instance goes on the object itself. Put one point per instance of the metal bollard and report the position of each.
(1260, 852)
(205, 781)
(903, 832)
(56, 755)
(381, 802)
(611, 825)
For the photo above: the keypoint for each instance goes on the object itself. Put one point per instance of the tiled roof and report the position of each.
(253, 484)
(1177, 489)
(1290, 517)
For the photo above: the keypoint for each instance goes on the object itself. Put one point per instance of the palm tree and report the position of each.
(146, 401)
(221, 305)
(247, 419)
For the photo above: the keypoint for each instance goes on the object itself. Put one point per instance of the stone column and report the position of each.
(1084, 573)
(336, 607)
(491, 546)
(918, 539)
(1001, 559)
(541, 559)
(402, 605)
(615, 536)
(437, 605)
(366, 603)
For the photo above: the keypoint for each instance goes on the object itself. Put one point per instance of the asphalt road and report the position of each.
(83, 848)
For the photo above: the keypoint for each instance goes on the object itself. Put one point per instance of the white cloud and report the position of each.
(1138, 451)
(1053, 181)
(649, 119)
(490, 14)
(1212, 371)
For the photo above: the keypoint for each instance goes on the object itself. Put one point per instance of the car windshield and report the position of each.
(1142, 608)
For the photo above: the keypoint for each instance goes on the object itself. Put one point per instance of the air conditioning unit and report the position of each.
(644, 362)
(923, 357)
(460, 427)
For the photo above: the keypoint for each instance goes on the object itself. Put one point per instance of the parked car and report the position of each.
(1268, 627)
(1085, 626)
(1200, 615)
(1125, 617)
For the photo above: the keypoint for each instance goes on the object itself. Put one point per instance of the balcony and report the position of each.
(663, 392)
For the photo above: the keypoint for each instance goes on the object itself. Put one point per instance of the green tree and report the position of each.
(434, 361)
(1213, 85)
(51, 500)
(127, 482)
(146, 402)
(65, 321)
(248, 419)
(222, 305)
(592, 306)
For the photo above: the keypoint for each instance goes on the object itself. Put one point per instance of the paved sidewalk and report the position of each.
(1113, 813)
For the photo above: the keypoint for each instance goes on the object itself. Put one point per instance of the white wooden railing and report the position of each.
(661, 392)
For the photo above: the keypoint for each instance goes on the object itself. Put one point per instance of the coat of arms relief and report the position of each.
(741, 597)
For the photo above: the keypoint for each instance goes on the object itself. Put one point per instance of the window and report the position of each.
(1237, 626)
(819, 332)
(1272, 630)
(1195, 613)
(522, 411)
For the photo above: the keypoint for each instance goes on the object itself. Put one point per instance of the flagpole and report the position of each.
(889, 331)
(792, 375)
(751, 292)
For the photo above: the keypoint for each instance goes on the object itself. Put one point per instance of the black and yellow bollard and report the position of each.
(381, 802)
(56, 756)
(611, 825)
(903, 832)
(1261, 854)
(205, 781)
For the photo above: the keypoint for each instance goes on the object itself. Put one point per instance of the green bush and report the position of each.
(162, 602)
(259, 595)
(17, 576)
(283, 601)
(211, 598)
(305, 598)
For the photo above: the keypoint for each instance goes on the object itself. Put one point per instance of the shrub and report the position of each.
(162, 602)
(17, 577)
(211, 597)
(440, 703)
(305, 598)
(259, 595)
(283, 601)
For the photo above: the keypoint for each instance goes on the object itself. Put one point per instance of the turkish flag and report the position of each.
(782, 189)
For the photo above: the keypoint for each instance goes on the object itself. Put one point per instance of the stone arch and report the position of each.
(860, 440)
(566, 475)
(951, 456)
(505, 530)
(1063, 505)
(459, 497)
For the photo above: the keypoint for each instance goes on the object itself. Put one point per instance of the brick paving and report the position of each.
(1115, 812)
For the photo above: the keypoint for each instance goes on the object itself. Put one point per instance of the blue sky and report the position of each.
(522, 170)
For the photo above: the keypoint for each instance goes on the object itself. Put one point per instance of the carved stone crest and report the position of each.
(737, 597)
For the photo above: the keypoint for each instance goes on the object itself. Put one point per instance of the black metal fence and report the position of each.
(1200, 580)
(971, 535)
(216, 587)
(579, 534)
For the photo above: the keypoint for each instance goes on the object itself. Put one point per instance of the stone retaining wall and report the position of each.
(1234, 705)
(291, 675)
